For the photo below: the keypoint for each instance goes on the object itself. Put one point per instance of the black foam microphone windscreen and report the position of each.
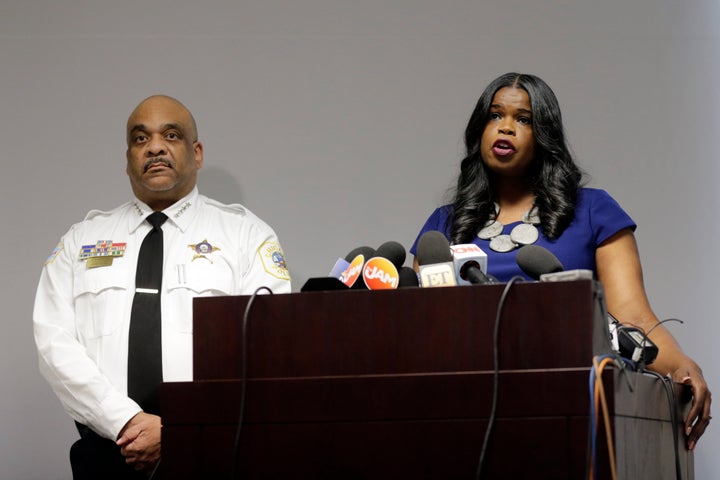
(535, 260)
(435, 260)
(433, 247)
(408, 278)
(393, 251)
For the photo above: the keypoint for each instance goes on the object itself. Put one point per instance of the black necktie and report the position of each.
(145, 342)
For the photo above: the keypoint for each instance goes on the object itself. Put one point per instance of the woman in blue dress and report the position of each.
(520, 185)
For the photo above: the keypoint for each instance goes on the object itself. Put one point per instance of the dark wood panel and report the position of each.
(544, 325)
(420, 426)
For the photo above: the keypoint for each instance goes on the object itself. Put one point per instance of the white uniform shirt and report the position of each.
(82, 307)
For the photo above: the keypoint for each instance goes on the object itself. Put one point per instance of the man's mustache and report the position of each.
(154, 161)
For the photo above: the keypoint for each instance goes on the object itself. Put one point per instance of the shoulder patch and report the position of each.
(273, 260)
(56, 251)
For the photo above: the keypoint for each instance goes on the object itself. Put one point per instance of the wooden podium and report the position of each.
(398, 384)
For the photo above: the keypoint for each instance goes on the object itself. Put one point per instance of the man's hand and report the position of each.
(139, 441)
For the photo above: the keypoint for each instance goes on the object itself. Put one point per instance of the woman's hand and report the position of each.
(699, 416)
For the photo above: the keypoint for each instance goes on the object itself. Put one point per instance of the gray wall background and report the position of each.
(340, 123)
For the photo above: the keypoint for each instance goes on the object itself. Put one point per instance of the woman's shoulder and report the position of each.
(441, 213)
(593, 198)
(444, 209)
(602, 210)
(587, 193)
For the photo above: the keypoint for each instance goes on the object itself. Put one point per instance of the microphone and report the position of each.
(408, 278)
(435, 260)
(381, 271)
(535, 260)
(346, 273)
(357, 258)
(353, 272)
(331, 282)
(540, 264)
(334, 280)
(340, 266)
(393, 251)
(470, 264)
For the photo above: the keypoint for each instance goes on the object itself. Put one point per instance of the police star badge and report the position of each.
(202, 250)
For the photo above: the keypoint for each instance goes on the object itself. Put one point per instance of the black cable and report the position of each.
(670, 392)
(600, 299)
(661, 322)
(243, 380)
(496, 373)
(604, 313)
(646, 337)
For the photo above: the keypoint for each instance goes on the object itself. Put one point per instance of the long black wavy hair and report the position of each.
(553, 175)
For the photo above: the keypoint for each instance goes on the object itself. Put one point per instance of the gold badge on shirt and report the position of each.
(102, 253)
(202, 250)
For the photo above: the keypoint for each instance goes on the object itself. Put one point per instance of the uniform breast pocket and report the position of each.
(203, 279)
(194, 279)
(101, 299)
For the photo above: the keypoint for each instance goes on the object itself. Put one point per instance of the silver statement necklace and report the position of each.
(526, 233)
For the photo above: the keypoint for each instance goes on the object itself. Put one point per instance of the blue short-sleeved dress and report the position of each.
(597, 217)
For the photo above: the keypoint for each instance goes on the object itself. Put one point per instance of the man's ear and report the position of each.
(198, 149)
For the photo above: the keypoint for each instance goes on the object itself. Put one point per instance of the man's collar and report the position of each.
(180, 213)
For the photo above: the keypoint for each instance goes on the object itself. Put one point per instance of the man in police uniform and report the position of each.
(84, 298)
